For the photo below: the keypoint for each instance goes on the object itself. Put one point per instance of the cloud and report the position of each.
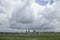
(29, 14)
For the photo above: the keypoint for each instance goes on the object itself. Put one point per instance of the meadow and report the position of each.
(45, 36)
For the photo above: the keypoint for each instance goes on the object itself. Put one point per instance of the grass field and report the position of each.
(29, 36)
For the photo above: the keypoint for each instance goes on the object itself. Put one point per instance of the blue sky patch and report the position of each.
(44, 2)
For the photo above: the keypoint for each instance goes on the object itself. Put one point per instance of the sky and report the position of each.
(40, 15)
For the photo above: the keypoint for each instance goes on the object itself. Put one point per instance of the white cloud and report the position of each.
(29, 14)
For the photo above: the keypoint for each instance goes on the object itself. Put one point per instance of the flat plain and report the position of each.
(44, 36)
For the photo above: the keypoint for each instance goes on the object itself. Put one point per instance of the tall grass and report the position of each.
(29, 36)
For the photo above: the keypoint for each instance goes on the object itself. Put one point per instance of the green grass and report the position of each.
(29, 36)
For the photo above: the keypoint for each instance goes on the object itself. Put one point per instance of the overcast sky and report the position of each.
(42, 15)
